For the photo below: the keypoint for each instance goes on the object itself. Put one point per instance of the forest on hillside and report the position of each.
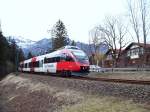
(10, 55)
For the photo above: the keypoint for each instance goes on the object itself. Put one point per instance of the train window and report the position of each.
(49, 60)
(57, 59)
(52, 60)
(30, 65)
(44, 60)
(36, 64)
(25, 65)
(41, 63)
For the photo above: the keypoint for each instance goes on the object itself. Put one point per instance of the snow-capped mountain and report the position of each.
(39, 47)
(45, 45)
(21, 42)
(35, 47)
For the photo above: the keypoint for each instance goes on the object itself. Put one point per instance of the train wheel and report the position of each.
(63, 73)
(66, 73)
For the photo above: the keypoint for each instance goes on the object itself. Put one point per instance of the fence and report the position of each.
(125, 69)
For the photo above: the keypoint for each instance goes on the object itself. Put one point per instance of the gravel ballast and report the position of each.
(138, 93)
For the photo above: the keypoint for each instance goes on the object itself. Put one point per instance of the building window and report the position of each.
(128, 53)
(141, 50)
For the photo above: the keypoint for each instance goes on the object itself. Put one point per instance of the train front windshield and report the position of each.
(80, 56)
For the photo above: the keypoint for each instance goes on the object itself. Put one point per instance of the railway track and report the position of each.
(127, 81)
(115, 80)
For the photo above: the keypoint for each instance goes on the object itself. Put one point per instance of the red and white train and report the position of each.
(67, 61)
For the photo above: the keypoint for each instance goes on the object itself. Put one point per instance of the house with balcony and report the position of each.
(134, 55)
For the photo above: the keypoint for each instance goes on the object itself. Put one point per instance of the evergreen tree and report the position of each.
(10, 55)
(30, 55)
(3, 55)
(3, 49)
(15, 54)
(13, 51)
(59, 35)
(20, 55)
(73, 43)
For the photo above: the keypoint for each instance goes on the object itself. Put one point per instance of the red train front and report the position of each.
(76, 61)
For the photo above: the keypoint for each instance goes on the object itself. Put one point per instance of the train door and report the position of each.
(41, 67)
(50, 65)
(33, 60)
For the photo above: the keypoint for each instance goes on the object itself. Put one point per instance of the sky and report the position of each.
(32, 19)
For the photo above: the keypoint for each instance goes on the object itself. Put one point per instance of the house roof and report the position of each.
(109, 50)
(130, 45)
(138, 44)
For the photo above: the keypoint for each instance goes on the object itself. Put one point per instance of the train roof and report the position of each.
(53, 54)
(69, 47)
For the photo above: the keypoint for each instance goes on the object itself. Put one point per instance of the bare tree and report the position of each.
(133, 14)
(94, 44)
(144, 18)
(113, 35)
(138, 13)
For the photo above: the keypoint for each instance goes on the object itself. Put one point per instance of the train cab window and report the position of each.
(63, 57)
(69, 58)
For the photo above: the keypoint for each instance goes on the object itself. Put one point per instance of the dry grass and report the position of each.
(105, 104)
(26, 90)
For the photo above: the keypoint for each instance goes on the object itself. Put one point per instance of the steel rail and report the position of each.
(127, 81)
